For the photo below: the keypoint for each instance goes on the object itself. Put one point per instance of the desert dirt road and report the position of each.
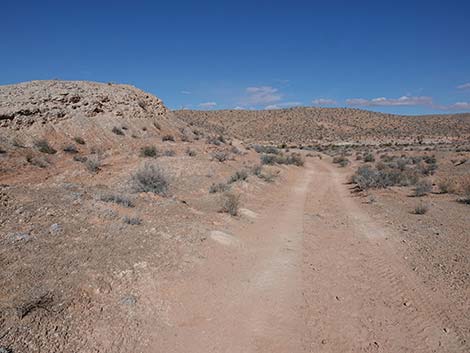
(311, 273)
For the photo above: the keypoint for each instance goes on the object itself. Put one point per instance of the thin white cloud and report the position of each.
(238, 108)
(282, 105)
(207, 104)
(464, 86)
(460, 106)
(185, 92)
(382, 101)
(262, 95)
(324, 101)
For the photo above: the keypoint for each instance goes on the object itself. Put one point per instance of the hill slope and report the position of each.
(313, 125)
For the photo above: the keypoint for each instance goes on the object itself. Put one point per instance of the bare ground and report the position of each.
(312, 273)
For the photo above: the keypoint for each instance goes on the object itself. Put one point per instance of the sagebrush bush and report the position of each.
(116, 198)
(422, 188)
(70, 149)
(447, 185)
(369, 157)
(149, 151)
(266, 149)
(230, 203)
(169, 153)
(216, 140)
(117, 131)
(150, 178)
(134, 221)
(190, 152)
(220, 156)
(294, 158)
(421, 209)
(93, 163)
(168, 138)
(218, 187)
(79, 140)
(44, 147)
(238, 175)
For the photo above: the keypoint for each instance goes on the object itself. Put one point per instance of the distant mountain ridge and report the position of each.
(330, 125)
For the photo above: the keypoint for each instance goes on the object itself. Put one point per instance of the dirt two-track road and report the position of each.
(311, 273)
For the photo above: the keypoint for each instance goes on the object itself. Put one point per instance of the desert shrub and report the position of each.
(150, 178)
(93, 163)
(295, 159)
(447, 185)
(40, 162)
(238, 175)
(81, 159)
(116, 198)
(190, 152)
(230, 203)
(422, 188)
(70, 149)
(464, 187)
(257, 169)
(218, 187)
(340, 160)
(134, 221)
(421, 209)
(79, 140)
(220, 156)
(44, 147)
(168, 138)
(169, 153)
(369, 157)
(117, 131)
(266, 149)
(267, 177)
(235, 150)
(149, 151)
(268, 159)
(216, 140)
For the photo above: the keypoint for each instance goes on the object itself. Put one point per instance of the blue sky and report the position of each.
(406, 57)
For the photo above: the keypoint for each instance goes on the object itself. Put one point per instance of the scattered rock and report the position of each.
(223, 238)
(129, 300)
(55, 228)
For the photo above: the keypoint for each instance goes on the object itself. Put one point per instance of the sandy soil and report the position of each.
(311, 273)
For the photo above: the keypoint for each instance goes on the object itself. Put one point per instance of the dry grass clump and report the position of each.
(230, 203)
(150, 178)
